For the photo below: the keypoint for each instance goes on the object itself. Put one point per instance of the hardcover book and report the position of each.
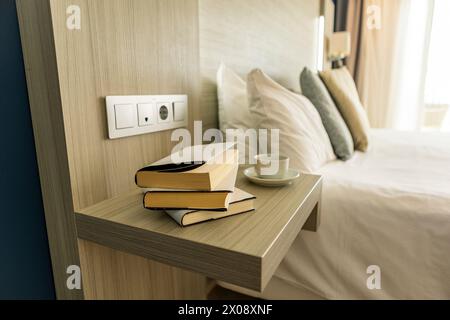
(189, 200)
(240, 202)
(214, 170)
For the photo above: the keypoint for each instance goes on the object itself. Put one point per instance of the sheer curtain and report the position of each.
(408, 100)
(437, 84)
(389, 58)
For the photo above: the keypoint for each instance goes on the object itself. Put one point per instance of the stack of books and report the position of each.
(195, 185)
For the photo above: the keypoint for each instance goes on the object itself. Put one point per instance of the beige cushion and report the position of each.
(302, 135)
(343, 89)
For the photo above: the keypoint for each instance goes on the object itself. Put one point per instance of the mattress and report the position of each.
(387, 209)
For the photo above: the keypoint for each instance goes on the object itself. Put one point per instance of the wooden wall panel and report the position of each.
(280, 37)
(111, 274)
(124, 47)
(49, 133)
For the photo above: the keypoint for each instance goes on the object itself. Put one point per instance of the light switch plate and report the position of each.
(125, 115)
(142, 114)
(179, 111)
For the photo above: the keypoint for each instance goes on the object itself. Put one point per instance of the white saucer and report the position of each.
(292, 175)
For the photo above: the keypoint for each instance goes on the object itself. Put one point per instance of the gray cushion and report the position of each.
(314, 89)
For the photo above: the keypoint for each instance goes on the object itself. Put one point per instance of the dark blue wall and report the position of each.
(25, 269)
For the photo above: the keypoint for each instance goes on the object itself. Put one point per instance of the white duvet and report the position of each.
(389, 207)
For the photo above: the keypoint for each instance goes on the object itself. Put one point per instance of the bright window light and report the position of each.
(437, 88)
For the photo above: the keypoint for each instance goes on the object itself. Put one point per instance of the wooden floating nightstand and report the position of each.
(244, 250)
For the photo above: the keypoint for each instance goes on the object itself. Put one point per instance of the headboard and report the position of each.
(280, 37)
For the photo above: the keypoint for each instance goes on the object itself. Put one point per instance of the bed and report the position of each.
(389, 207)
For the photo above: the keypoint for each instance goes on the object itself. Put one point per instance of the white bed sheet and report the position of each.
(389, 207)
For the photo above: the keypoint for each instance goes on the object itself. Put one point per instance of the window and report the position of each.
(437, 84)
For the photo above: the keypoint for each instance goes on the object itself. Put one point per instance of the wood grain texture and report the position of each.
(244, 250)
(49, 132)
(114, 275)
(124, 47)
(280, 37)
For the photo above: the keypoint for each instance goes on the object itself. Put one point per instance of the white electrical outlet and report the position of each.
(135, 115)
(164, 111)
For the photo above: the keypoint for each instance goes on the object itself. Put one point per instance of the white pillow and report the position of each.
(302, 135)
(234, 112)
(233, 102)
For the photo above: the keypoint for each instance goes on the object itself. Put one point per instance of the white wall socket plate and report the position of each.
(134, 115)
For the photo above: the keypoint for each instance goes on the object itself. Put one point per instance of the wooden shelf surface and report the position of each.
(244, 249)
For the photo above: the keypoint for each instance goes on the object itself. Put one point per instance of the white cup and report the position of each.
(271, 167)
